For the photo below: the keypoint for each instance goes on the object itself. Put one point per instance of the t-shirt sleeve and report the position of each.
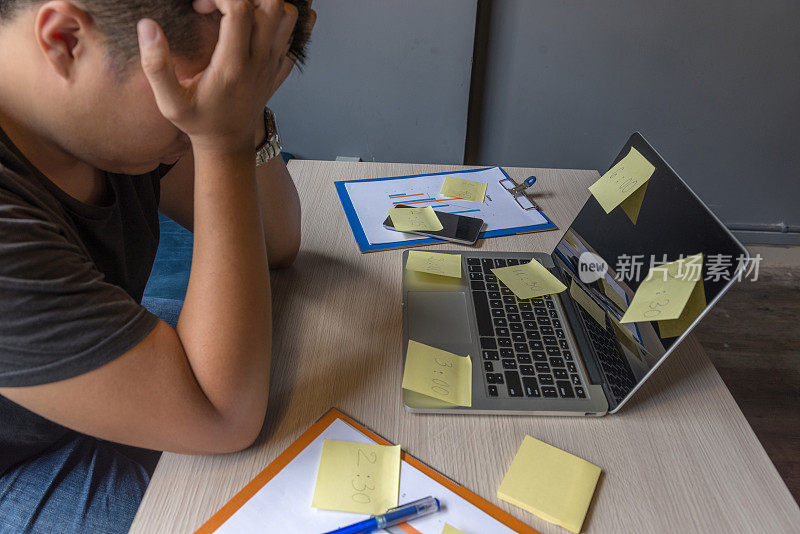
(58, 317)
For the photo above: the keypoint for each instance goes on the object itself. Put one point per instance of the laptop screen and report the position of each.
(672, 223)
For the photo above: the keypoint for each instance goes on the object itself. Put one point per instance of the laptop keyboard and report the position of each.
(523, 343)
(615, 367)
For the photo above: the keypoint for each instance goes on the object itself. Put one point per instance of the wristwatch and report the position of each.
(271, 147)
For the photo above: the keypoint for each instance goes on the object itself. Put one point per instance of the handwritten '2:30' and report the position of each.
(363, 482)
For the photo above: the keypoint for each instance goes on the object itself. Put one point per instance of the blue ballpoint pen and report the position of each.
(393, 516)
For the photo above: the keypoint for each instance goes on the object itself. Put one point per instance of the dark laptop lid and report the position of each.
(672, 223)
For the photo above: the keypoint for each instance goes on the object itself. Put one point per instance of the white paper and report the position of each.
(499, 210)
(284, 503)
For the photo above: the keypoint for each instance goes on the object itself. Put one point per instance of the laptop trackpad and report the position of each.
(438, 318)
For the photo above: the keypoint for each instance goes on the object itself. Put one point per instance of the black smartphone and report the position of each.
(456, 228)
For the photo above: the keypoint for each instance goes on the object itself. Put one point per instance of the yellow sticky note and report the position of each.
(415, 219)
(466, 189)
(694, 307)
(529, 280)
(612, 293)
(663, 295)
(362, 478)
(550, 483)
(434, 263)
(622, 181)
(633, 204)
(587, 303)
(625, 337)
(439, 374)
(450, 529)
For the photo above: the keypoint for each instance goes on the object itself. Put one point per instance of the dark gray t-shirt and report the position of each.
(71, 282)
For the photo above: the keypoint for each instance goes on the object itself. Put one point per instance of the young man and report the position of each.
(98, 98)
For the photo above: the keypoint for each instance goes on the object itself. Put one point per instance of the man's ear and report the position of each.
(61, 31)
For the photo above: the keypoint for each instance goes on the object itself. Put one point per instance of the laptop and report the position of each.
(548, 355)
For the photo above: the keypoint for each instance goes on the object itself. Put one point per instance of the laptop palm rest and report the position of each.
(440, 319)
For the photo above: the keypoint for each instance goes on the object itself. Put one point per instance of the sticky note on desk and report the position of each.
(434, 263)
(587, 303)
(624, 185)
(529, 280)
(362, 478)
(415, 219)
(550, 483)
(450, 529)
(672, 294)
(466, 189)
(439, 374)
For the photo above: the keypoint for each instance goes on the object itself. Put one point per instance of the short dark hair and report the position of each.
(117, 20)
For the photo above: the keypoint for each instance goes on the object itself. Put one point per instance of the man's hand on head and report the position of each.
(220, 108)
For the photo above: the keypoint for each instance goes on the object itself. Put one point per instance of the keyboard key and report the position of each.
(473, 261)
(549, 391)
(542, 367)
(494, 378)
(576, 380)
(556, 362)
(498, 312)
(525, 306)
(543, 320)
(500, 321)
(506, 353)
(521, 347)
(495, 303)
(528, 316)
(509, 364)
(510, 309)
(547, 330)
(550, 304)
(539, 357)
(482, 314)
(557, 323)
(560, 334)
(571, 367)
(499, 262)
(492, 391)
(526, 370)
(477, 286)
(505, 291)
(501, 332)
(487, 264)
(524, 358)
(512, 262)
(553, 314)
(580, 393)
(490, 355)
(504, 342)
(513, 384)
(475, 269)
(531, 386)
(495, 295)
(533, 336)
(549, 340)
(546, 380)
(516, 337)
(488, 366)
(488, 343)
(530, 325)
(476, 276)
(538, 301)
(565, 389)
(492, 286)
(552, 351)
(513, 318)
(560, 374)
(516, 327)
(567, 355)
(535, 344)
(563, 344)
(491, 278)
(509, 300)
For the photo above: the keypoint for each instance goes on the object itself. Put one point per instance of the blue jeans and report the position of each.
(81, 484)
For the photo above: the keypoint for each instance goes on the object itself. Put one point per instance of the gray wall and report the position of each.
(386, 81)
(713, 85)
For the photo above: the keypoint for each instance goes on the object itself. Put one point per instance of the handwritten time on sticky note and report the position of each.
(363, 478)
(415, 219)
(666, 294)
(550, 483)
(434, 263)
(529, 280)
(625, 183)
(466, 189)
(439, 374)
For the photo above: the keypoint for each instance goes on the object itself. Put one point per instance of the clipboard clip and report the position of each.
(518, 192)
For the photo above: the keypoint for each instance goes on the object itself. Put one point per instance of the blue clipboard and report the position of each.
(365, 246)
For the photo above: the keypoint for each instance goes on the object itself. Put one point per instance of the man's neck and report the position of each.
(76, 178)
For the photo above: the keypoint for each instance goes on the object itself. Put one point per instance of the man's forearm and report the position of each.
(225, 324)
(280, 212)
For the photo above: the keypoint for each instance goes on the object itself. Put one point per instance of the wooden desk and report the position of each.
(680, 457)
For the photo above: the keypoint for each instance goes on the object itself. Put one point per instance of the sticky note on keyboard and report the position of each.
(363, 478)
(672, 294)
(529, 280)
(439, 374)
(434, 263)
(466, 189)
(415, 219)
(624, 185)
(587, 303)
(550, 483)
